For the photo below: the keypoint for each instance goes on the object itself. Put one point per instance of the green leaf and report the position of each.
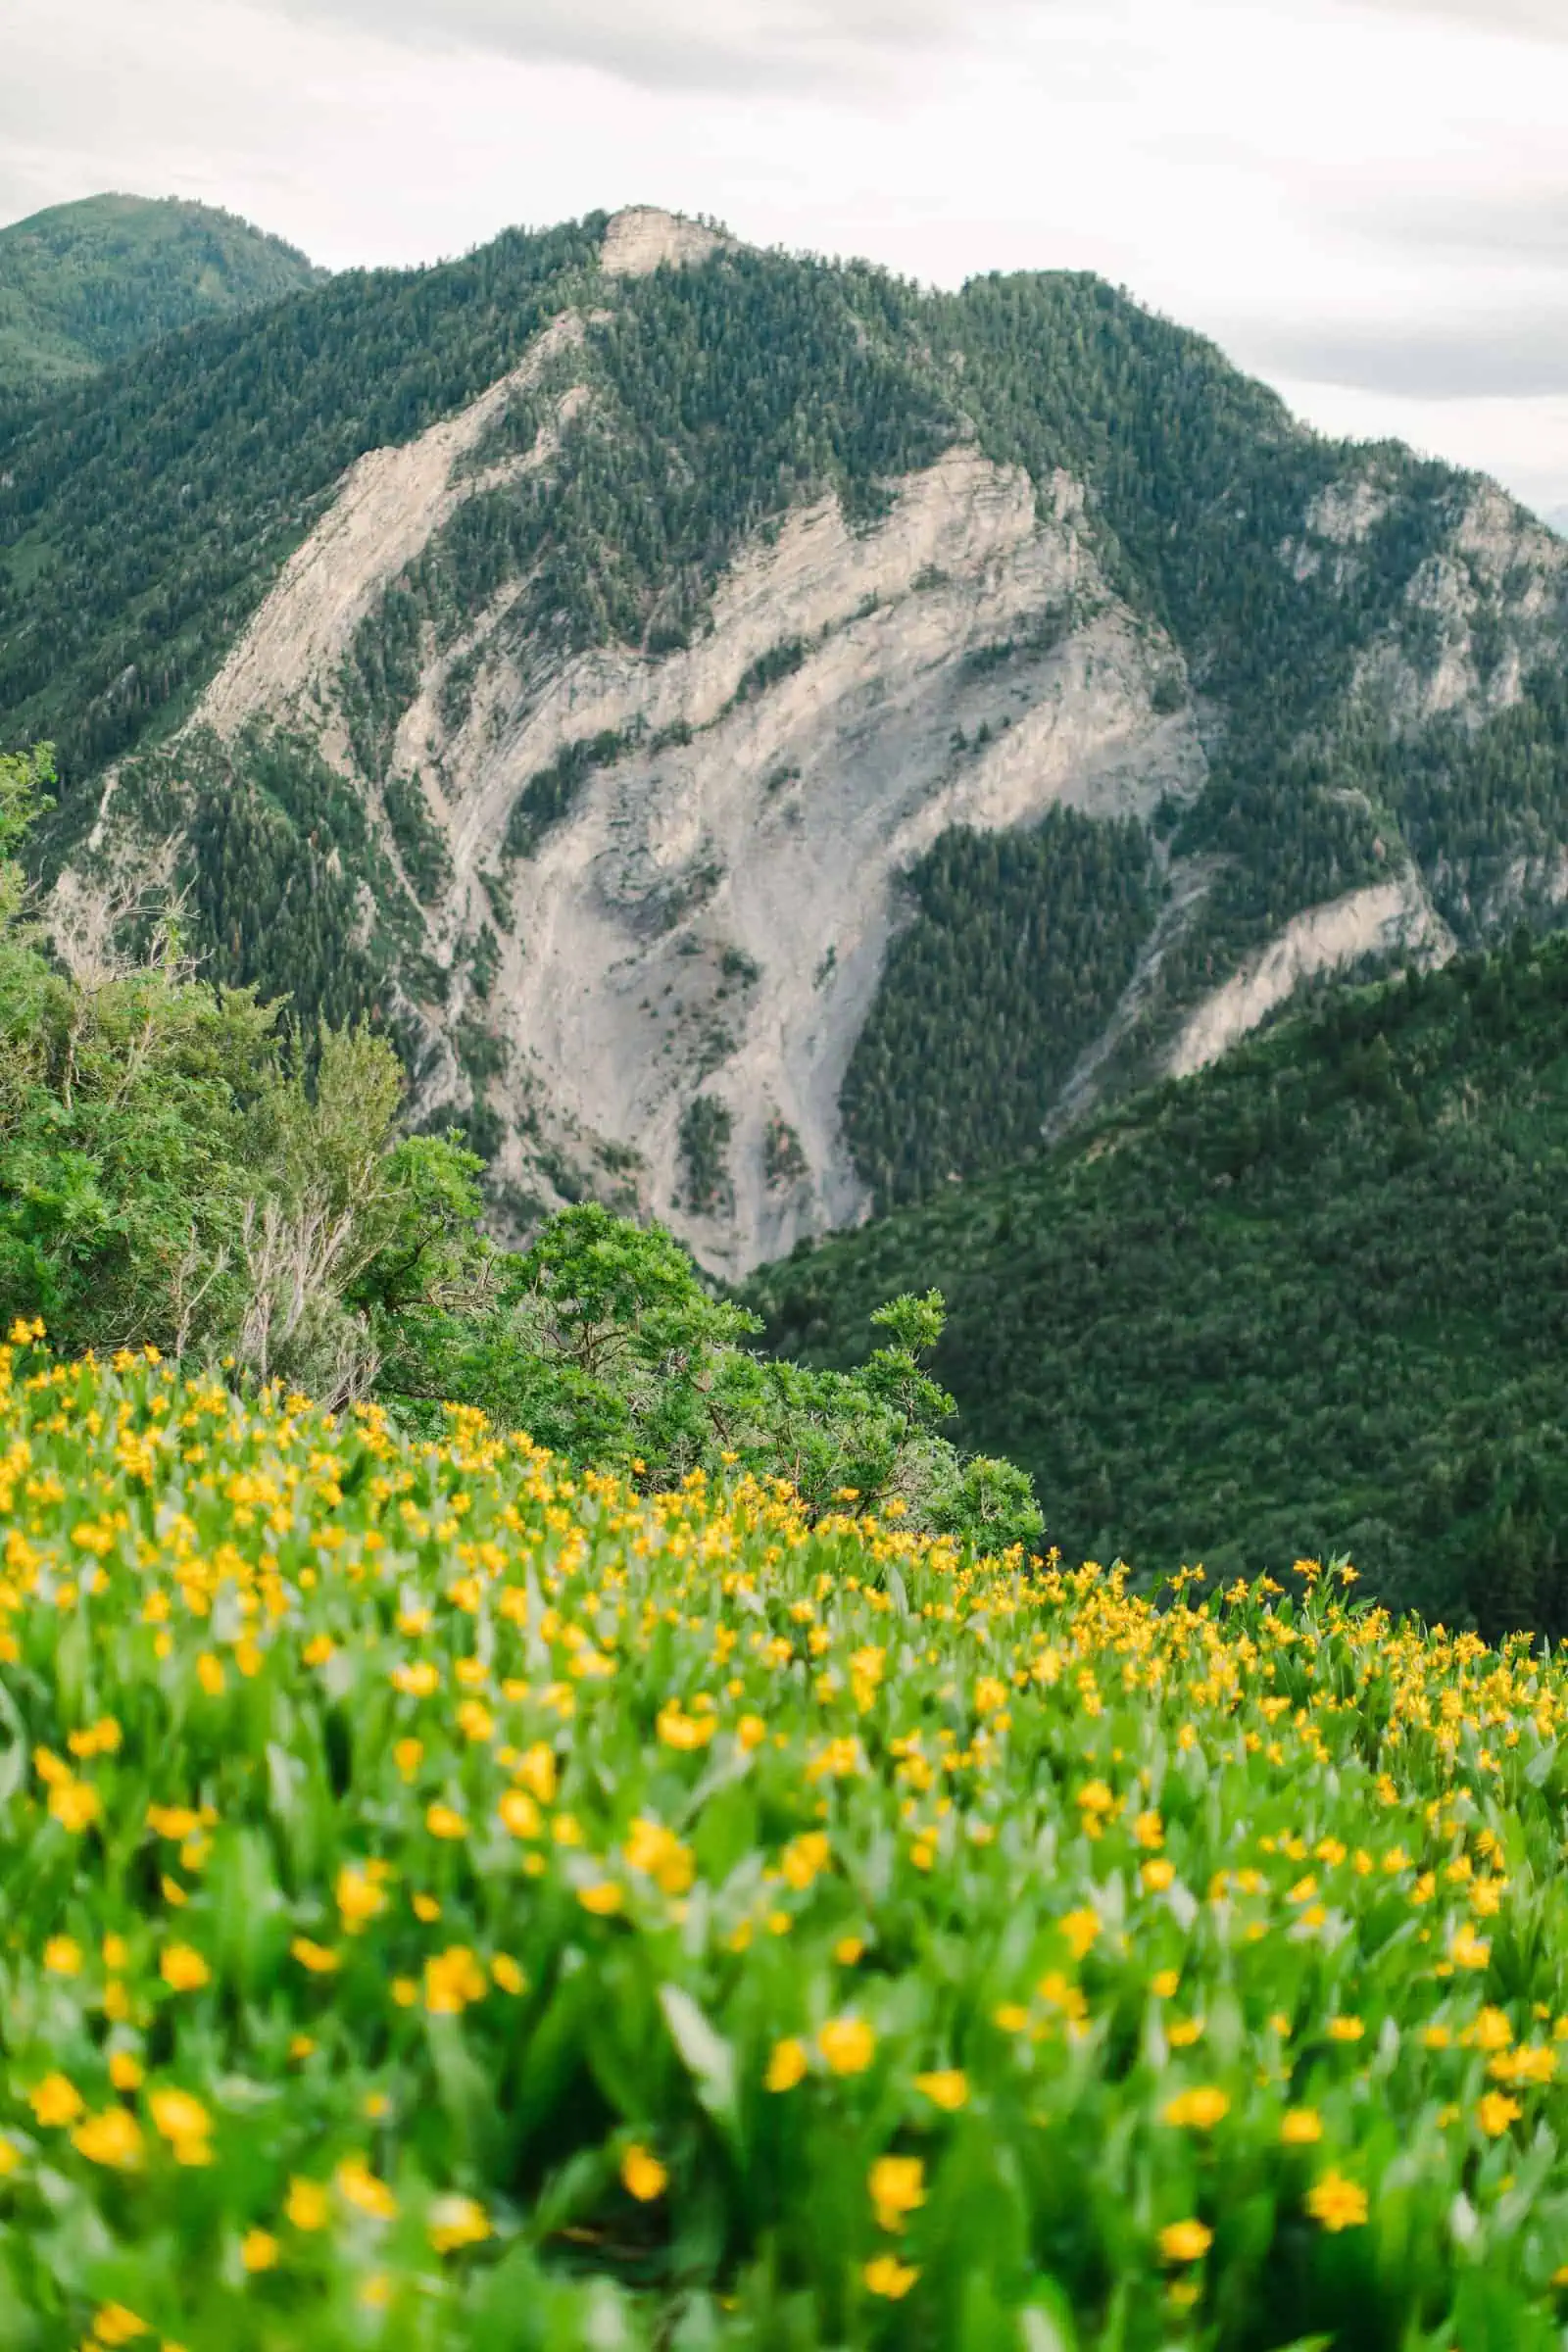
(708, 2057)
(1046, 2323)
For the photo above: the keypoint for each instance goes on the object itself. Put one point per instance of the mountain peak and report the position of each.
(643, 238)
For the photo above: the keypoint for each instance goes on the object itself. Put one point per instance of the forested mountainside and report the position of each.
(83, 284)
(1313, 1298)
(766, 739)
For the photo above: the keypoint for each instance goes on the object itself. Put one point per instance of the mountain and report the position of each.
(83, 284)
(1313, 1298)
(768, 739)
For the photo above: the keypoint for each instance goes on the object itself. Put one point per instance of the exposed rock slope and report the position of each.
(640, 882)
(1384, 920)
(714, 914)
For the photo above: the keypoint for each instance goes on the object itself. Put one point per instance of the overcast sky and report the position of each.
(1364, 200)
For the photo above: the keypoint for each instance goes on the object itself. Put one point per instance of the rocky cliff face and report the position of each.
(712, 915)
(665, 881)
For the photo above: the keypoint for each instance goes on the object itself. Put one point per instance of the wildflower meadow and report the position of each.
(450, 1901)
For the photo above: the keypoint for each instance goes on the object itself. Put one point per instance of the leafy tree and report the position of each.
(598, 1340)
(603, 1343)
(178, 1170)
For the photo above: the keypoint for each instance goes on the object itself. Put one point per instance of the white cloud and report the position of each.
(730, 43)
(686, 44)
(1500, 357)
(1536, 20)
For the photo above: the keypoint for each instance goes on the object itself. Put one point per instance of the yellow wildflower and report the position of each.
(182, 1967)
(319, 1958)
(679, 1730)
(949, 2088)
(603, 1899)
(1337, 2203)
(116, 2324)
(787, 2066)
(452, 1980)
(1080, 1929)
(455, 2222)
(76, 1805)
(848, 2045)
(359, 1898)
(179, 2119)
(643, 2176)
(885, 2275)
(54, 2102)
(308, 2205)
(520, 1814)
(1185, 2241)
(1198, 2110)
(112, 2139)
(360, 2187)
(898, 2187)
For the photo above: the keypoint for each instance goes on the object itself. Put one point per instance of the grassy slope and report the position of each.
(453, 1906)
(1316, 1296)
(84, 285)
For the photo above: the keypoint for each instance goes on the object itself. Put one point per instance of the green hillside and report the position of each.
(83, 284)
(1315, 1297)
(143, 517)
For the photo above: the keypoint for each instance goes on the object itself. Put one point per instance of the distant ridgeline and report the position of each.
(1315, 1298)
(693, 693)
(84, 285)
